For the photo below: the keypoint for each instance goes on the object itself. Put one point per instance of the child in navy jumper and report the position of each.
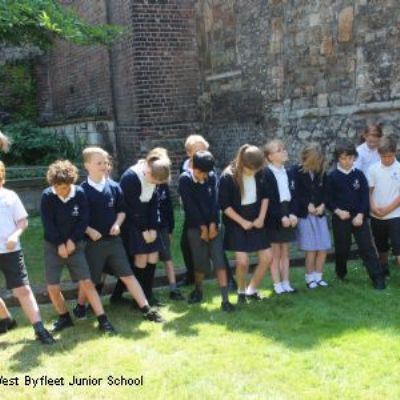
(198, 190)
(166, 224)
(13, 217)
(348, 200)
(193, 144)
(308, 180)
(384, 184)
(106, 215)
(281, 218)
(65, 217)
(244, 200)
(139, 232)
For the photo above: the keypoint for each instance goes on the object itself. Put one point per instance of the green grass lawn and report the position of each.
(342, 342)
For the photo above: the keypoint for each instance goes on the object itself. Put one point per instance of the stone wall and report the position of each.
(147, 83)
(300, 70)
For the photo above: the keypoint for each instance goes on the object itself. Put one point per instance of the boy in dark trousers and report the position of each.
(198, 190)
(348, 200)
(65, 217)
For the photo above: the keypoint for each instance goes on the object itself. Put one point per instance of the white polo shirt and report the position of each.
(249, 189)
(283, 182)
(366, 157)
(11, 211)
(386, 184)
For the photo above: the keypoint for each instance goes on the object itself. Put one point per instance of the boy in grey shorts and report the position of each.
(65, 215)
(198, 190)
(13, 217)
(104, 247)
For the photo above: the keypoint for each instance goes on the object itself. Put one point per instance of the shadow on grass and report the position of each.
(305, 319)
(85, 331)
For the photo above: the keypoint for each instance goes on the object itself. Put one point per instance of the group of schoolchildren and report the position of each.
(102, 227)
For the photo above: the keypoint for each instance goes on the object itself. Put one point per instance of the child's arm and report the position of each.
(116, 228)
(390, 207)
(51, 232)
(171, 217)
(259, 221)
(12, 240)
(78, 233)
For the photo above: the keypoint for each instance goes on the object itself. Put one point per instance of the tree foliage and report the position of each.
(40, 22)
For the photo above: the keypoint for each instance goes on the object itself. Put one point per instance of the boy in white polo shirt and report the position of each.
(13, 217)
(384, 183)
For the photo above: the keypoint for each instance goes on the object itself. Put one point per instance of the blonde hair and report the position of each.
(248, 156)
(312, 159)
(159, 164)
(269, 147)
(89, 152)
(191, 140)
(4, 142)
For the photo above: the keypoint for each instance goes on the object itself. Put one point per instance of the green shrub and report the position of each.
(32, 145)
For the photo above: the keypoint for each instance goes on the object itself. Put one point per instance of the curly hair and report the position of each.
(62, 172)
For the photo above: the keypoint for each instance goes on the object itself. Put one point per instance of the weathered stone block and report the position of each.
(345, 29)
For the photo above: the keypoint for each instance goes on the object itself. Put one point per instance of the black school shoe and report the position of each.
(242, 299)
(80, 311)
(153, 316)
(63, 321)
(106, 327)
(7, 324)
(195, 297)
(227, 307)
(254, 297)
(44, 336)
(176, 295)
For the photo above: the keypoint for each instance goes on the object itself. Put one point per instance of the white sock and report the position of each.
(309, 277)
(317, 276)
(250, 290)
(278, 288)
(241, 291)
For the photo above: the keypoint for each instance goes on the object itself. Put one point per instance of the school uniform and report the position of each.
(106, 201)
(386, 183)
(141, 211)
(11, 261)
(247, 206)
(200, 205)
(348, 191)
(312, 230)
(280, 205)
(366, 158)
(165, 220)
(64, 219)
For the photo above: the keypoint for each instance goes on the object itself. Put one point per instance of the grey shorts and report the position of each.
(206, 254)
(165, 251)
(14, 269)
(107, 255)
(76, 263)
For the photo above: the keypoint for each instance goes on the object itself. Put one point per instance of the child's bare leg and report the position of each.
(320, 261)
(275, 265)
(4, 313)
(310, 261)
(135, 290)
(242, 265)
(264, 261)
(28, 303)
(92, 296)
(169, 269)
(57, 299)
(284, 264)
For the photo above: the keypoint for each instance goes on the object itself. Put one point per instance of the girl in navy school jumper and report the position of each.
(281, 219)
(348, 200)
(165, 227)
(308, 180)
(139, 231)
(244, 201)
